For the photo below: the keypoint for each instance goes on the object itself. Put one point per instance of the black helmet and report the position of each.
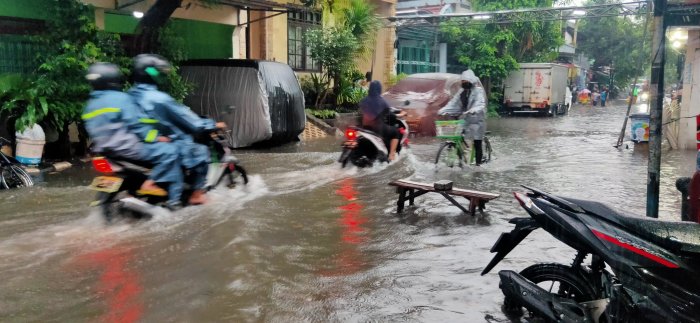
(150, 68)
(105, 76)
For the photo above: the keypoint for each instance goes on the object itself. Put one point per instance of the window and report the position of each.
(299, 55)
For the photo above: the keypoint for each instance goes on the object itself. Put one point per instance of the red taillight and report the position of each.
(402, 130)
(101, 165)
(351, 134)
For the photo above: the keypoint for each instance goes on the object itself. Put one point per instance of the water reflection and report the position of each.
(350, 258)
(118, 287)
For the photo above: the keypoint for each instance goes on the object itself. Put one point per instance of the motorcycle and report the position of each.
(116, 189)
(640, 270)
(363, 147)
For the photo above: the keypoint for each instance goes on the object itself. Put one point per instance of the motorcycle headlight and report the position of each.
(645, 96)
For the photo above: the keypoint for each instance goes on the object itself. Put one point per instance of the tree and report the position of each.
(334, 49)
(492, 51)
(359, 18)
(616, 42)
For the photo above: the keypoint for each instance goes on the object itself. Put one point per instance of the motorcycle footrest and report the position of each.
(536, 299)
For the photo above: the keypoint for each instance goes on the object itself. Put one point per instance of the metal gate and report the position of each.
(17, 54)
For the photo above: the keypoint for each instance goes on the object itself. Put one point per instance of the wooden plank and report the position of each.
(454, 191)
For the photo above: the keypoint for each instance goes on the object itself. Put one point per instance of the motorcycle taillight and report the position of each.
(351, 134)
(101, 165)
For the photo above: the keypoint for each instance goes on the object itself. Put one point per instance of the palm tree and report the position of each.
(359, 17)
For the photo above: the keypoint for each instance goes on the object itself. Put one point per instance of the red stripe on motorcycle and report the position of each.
(634, 249)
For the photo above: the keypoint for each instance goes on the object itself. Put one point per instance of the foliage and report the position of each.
(333, 48)
(492, 51)
(359, 18)
(20, 98)
(57, 90)
(615, 41)
(349, 91)
(313, 86)
(322, 114)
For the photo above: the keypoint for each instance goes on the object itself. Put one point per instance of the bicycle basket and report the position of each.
(449, 128)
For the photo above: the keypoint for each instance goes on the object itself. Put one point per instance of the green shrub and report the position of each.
(322, 114)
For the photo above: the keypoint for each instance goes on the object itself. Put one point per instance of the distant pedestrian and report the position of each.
(603, 96)
(595, 97)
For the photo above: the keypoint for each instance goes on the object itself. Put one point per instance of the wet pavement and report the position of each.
(307, 241)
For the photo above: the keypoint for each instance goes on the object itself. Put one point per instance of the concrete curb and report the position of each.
(55, 167)
(333, 131)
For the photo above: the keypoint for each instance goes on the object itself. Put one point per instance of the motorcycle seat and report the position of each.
(132, 164)
(672, 235)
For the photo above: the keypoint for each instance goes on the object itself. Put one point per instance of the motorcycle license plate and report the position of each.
(107, 184)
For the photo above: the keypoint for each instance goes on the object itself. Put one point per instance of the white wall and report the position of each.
(690, 104)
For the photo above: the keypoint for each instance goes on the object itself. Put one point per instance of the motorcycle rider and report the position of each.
(470, 104)
(375, 111)
(119, 130)
(175, 119)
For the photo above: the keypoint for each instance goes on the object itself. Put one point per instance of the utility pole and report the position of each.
(658, 53)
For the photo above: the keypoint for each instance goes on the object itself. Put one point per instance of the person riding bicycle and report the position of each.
(119, 130)
(470, 104)
(375, 112)
(175, 119)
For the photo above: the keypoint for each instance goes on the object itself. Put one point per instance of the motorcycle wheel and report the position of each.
(344, 156)
(108, 205)
(559, 280)
(14, 176)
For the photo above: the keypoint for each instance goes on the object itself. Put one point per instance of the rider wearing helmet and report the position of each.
(119, 130)
(175, 119)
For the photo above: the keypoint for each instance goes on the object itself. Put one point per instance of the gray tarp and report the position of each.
(266, 96)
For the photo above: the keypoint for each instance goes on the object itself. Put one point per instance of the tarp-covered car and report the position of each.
(260, 101)
(426, 93)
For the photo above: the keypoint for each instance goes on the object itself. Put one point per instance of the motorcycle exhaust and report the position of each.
(537, 300)
(140, 207)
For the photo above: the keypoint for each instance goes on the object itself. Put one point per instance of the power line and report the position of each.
(634, 8)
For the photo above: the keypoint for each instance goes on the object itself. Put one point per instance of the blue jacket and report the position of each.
(116, 124)
(174, 119)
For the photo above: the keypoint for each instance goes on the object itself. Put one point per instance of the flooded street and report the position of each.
(307, 241)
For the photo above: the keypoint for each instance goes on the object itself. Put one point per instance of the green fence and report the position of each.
(17, 54)
(417, 60)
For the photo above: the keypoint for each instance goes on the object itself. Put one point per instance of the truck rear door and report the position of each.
(540, 82)
(514, 87)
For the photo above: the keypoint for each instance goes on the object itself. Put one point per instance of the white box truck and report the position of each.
(537, 88)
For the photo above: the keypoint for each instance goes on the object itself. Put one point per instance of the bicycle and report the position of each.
(453, 149)
(11, 174)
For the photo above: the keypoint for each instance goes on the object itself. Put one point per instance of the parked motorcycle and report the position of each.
(363, 147)
(122, 178)
(640, 269)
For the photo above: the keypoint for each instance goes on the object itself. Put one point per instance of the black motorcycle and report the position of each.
(639, 269)
(117, 188)
(12, 175)
(363, 147)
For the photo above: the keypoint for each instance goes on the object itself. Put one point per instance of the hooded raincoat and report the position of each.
(374, 108)
(474, 111)
(179, 123)
(119, 129)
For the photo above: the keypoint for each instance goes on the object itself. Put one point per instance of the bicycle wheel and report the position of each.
(14, 176)
(448, 154)
(487, 150)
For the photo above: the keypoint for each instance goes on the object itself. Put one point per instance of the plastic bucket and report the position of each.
(639, 127)
(29, 151)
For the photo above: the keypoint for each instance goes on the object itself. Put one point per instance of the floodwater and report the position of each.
(307, 241)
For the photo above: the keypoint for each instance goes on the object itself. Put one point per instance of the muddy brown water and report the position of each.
(307, 241)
